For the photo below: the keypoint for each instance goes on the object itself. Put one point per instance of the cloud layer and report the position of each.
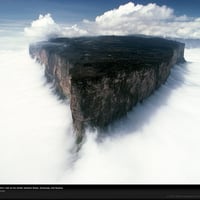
(149, 19)
(129, 18)
(45, 27)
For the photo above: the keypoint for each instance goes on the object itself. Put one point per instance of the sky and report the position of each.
(165, 18)
(77, 10)
(66, 18)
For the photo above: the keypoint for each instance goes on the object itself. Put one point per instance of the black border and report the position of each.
(58, 191)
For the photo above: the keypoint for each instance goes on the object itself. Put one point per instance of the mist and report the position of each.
(157, 142)
(35, 133)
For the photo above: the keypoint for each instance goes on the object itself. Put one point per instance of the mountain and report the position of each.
(105, 76)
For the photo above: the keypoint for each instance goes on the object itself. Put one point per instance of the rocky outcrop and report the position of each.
(105, 76)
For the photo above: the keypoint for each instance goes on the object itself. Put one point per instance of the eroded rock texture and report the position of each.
(105, 76)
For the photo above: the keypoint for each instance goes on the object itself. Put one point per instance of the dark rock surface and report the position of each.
(105, 76)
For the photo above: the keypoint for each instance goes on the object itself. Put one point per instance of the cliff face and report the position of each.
(104, 77)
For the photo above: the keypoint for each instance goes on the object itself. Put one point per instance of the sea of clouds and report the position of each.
(158, 141)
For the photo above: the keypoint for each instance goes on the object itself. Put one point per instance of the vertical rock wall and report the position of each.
(98, 97)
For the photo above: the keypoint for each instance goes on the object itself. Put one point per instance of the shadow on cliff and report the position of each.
(142, 113)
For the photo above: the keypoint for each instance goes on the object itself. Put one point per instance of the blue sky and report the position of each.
(74, 11)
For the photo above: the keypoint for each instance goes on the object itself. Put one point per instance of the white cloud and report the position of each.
(129, 18)
(131, 12)
(45, 27)
(73, 31)
(42, 27)
(149, 19)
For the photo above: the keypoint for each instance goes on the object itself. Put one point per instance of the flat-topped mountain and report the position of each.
(105, 76)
